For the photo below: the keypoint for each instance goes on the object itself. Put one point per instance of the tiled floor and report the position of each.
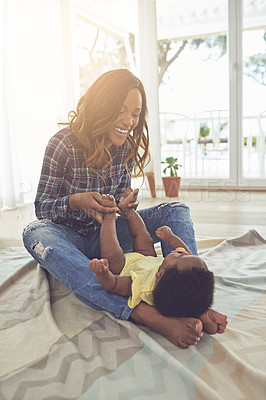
(215, 214)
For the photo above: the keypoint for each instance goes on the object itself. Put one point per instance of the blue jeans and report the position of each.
(66, 255)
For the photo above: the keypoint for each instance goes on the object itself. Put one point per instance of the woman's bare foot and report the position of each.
(130, 197)
(213, 322)
(103, 275)
(182, 332)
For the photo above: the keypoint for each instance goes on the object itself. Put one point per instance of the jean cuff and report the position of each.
(126, 313)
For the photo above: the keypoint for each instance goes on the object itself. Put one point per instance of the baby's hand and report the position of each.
(164, 233)
(99, 267)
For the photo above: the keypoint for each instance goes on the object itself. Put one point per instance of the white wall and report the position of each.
(38, 84)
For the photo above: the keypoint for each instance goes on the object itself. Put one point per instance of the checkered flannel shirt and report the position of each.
(63, 174)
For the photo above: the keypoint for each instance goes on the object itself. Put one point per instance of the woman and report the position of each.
(106, 139)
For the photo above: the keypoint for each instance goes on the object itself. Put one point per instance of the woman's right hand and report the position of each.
(91, 204)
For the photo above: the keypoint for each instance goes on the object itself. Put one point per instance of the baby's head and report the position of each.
(184, 286)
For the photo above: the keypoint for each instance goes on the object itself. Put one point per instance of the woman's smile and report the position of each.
(127, 119)
(121, 132)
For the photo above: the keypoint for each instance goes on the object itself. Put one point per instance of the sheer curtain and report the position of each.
(37, 89)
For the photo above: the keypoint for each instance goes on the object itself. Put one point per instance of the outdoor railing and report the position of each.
(201, 143)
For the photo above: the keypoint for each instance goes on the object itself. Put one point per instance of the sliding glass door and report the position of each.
(212, 90)
(253, 141)
(194, 87)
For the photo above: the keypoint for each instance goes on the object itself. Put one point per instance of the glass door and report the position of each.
(212, 90)
(194, 88)
(253, 140)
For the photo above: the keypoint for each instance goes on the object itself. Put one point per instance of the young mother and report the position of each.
(107, 138)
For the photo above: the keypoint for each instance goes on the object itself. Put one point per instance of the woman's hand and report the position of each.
(91, 204)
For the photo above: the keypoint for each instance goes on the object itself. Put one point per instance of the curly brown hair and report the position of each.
(185, 293)
(98, 108)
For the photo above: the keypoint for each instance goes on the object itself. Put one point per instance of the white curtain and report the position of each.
(37, 89)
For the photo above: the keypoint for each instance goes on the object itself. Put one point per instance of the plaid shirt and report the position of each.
(63, 174)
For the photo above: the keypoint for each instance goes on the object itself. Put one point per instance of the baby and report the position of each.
(179, 285)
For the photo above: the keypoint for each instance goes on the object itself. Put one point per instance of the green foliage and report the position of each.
(204, 130)
(105, 53)
(172, 165)
(170, 50)
(216, 44)
(254, 67)
(223, 126)
(109, 52)
(253, 142)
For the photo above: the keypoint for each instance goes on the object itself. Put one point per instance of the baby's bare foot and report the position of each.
(130, 198)
(213, 322)
(108, 200)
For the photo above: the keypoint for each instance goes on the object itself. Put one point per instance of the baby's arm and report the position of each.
(113, 283)
(165, 233)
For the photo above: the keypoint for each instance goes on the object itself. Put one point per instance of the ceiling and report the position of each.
(175, 18)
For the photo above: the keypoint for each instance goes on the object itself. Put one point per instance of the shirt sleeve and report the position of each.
(140, 292)
(48, 203)
(135, 298)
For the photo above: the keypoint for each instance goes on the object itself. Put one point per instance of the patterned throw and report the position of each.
(52, 346)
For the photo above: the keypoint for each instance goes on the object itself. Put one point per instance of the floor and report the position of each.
(215, 214)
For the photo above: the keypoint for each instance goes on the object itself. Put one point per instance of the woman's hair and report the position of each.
(185, 293)
(98, 108)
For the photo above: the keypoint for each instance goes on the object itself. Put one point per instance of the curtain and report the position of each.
(37, 89)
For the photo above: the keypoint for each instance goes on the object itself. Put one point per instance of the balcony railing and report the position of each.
(201, 143)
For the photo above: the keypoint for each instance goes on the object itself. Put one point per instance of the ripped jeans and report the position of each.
(65, 254)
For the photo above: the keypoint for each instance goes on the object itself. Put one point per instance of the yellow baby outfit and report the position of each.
(142, 270)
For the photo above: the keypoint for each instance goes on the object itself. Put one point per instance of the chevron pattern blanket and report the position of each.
(52, 346)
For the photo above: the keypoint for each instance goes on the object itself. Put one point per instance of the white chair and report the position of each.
(211, 127)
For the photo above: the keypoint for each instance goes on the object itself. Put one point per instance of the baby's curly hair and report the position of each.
(185, 293)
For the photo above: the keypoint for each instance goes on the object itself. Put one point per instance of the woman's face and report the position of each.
(127, 119)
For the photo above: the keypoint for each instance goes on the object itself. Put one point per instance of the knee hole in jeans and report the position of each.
(41, 250)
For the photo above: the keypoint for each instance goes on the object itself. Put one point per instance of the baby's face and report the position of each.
(180, 262)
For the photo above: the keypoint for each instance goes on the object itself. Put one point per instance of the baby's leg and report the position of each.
(143, 242)
(116, 284)
(110, 247)
(213, 322)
